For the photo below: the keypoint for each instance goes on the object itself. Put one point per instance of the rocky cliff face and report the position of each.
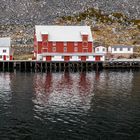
(45, 11)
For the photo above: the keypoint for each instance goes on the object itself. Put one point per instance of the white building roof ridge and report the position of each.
(63, 33)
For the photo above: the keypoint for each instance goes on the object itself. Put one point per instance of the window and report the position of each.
(54, 44)
(65, 49)
(54, 49)
(97, 49)
(85, 37)
(75, 43)
(4, 51)
(65, 43)
(115, 49)
(128, 49)
(120, 49)
(85, 44)
(103, 49)
(62, 57)
(0, 56)
(75, 49)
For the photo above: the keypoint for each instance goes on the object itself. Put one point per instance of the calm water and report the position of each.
(71, 106)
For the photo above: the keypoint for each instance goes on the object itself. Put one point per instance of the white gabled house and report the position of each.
(6, 53)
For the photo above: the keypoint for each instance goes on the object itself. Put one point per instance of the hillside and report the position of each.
(45, 11)
(112, 22)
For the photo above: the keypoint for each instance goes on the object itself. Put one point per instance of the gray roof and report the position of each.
(5, 42)
(122, 46)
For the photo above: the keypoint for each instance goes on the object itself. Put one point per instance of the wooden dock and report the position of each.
(122, 63)
(42, 66)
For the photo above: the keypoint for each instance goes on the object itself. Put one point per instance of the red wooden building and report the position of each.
(64, 43)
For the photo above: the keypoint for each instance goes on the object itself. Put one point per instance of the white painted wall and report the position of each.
(103, 58)
(75, 58)
(124, 50)
(90, 58)
(101, 49)
(57, 58)
(7, 53)
(39, 57)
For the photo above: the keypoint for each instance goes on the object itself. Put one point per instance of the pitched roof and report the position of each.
(63, 33)
(122, 46)
(5, 42)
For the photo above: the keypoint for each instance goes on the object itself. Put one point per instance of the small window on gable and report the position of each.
(85, 37)
(85, 44)
(97, 49)
(54, 43)
(65, 43)
(65, 49)
(75, 43)
(4, 51)
(76, 49)
(121, 49)
(54, 49)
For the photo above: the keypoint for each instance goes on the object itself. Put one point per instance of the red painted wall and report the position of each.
(39, 47)
(4, 57)
(66, 58)
(48, 58)
(44, 37)
(60, 47)
(83, 58)
(85, 37)
(97, 58)
(11, 57)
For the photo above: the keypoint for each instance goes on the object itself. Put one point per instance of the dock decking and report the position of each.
(32, 65)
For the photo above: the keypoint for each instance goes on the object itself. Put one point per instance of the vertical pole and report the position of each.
(97, 66)
(3, 66)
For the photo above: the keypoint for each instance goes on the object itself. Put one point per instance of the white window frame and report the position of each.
(65, 49)
(65, 43)
(4, 50)
(75, 49)
(54, 43)
(54, 49)
(75, 43)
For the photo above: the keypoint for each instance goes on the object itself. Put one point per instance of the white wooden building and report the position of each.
(6, 53)
(121, 51)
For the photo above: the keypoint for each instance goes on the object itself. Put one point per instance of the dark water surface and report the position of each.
(71, 106)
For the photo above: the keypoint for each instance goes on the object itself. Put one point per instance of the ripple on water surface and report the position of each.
(88, 105)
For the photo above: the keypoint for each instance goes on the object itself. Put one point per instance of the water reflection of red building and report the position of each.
(64, 89)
